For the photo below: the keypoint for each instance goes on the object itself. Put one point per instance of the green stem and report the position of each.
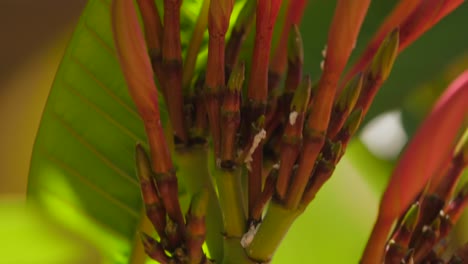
(271, 232)
(229, 189)
(193, 171)
(230, 199)
(234, 253)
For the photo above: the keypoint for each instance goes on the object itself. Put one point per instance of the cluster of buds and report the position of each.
(274, 144)
(183, 238)
(418, 237)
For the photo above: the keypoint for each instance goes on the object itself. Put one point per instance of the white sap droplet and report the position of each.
(324, 51)
(276, 166)
(257, 139)
(248, 237)
(292, 117)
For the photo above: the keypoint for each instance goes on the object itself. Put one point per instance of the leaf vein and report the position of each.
(104, 87)
(95, 151)
(132, 212)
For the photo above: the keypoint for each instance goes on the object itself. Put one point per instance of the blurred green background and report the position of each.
(34, 37)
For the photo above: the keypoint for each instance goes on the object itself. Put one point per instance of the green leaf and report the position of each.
(82, 167)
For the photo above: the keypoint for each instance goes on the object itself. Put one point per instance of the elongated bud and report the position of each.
(403, 235)
(462, 148)
(383, 61)
(350, 126)
(411, 218)
(301, 97)
(295, 46)
(241, 29)
(246, 16)
(152, 25)
(293, 16)
(236, 80)
(344, 105)
(153, 248)
(195, 43)
(456, 206)
(336, 150)
(427, 241)
(154, 209)
(292, 137)
(350, 94)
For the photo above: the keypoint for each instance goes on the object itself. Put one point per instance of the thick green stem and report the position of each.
(271, 232)
(230, 199)
(193, 172)
(234, 253)
(229, 189)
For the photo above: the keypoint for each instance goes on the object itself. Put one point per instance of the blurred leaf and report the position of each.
(29, 236)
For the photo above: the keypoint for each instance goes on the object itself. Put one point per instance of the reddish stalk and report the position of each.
(414, 17)
(344, 30)
(279, 61)
(418, 21)
(196, 227)
(394, 20)
(279, 107)
(264, 198)
(172, 63)
(153, 205)
(153, 34)
(447, 7)
(292, 137)
(267, 11)
(218, 23)
(254, 164)
(136, 66)
(230, 113)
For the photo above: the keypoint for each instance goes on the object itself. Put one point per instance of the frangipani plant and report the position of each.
(271, 147)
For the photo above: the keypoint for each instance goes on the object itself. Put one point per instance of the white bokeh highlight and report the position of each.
(384, 135)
